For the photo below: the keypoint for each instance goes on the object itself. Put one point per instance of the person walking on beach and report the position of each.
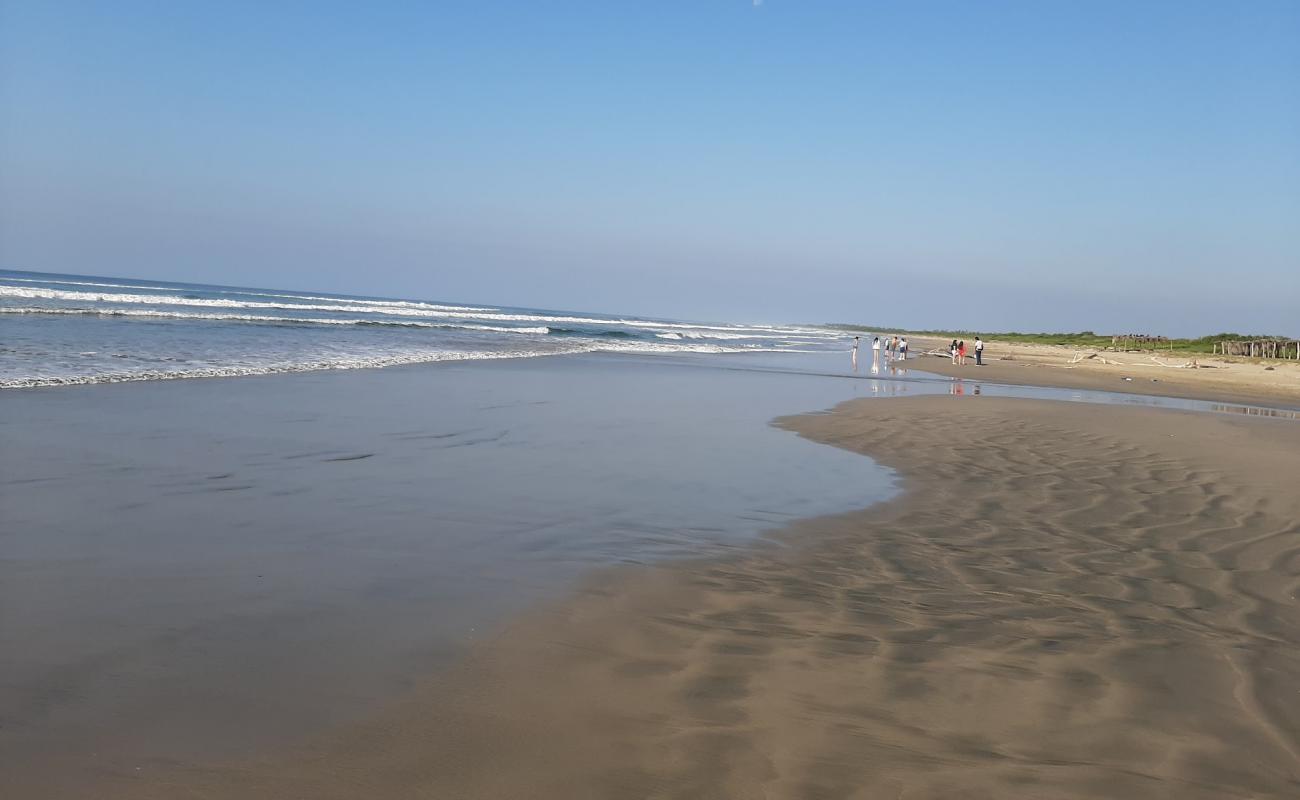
(854, 356)
(979, 352)
(952, 350)
(961, 352)
(902, 349)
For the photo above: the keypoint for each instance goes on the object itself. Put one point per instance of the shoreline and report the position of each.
(1066, 601)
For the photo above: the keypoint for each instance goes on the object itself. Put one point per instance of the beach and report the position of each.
(1151, 372)
(458, 401)
(1065, 600)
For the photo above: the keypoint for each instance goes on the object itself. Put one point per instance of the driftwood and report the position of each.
(1110, 362)
(1185, 365)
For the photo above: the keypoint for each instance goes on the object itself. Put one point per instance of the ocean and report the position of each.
(75, 329)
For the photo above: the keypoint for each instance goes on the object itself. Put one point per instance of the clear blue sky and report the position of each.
(992, 165)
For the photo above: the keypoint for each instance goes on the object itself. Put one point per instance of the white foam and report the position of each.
(664, 347)
(399, 308)
(722, 336)
(391, 310)
(568, 347)
(127, 312)
(233, 371)
(249, 293)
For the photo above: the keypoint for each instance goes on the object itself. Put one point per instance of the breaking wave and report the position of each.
(63, 330)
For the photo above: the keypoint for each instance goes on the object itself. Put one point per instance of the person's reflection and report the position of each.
(977, 389)
(956, 388)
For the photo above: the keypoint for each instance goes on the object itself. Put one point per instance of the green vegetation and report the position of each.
(1204, 344)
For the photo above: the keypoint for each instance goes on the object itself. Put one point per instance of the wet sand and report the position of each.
(1069, 601)
(205, 571)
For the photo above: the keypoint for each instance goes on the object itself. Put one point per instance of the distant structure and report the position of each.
(1136, 341)
(1260, 348)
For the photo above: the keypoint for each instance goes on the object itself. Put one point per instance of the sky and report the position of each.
(1117, 167)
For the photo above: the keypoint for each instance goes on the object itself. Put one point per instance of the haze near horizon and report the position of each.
(1002, 166)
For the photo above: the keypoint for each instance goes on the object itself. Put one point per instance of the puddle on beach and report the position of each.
(910, 378)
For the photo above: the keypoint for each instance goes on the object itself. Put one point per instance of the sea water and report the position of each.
(72, 329)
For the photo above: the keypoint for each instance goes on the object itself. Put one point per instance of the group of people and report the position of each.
(958, 351)
(894, 347)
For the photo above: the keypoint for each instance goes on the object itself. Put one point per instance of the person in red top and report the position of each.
(961, 353)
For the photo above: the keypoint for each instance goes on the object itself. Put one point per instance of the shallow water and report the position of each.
(910, 377)
(209, 566)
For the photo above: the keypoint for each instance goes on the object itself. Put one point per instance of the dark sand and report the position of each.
(1071, 601)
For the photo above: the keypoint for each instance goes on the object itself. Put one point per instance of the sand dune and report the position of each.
(1069, 602)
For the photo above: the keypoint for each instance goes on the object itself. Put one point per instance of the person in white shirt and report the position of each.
(855, 353)
(902, 349)
(979, 352)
